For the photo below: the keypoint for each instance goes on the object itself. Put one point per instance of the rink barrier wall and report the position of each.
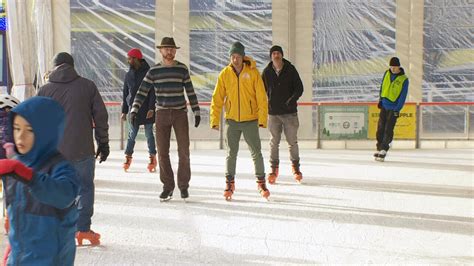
(430, 125)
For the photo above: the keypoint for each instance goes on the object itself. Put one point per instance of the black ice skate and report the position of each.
(381, 156)
(166, 195)
(184, 194)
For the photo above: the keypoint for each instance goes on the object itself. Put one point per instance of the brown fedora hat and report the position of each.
(167, 42)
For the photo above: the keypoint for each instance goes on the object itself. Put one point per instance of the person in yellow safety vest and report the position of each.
(241, 92)
(393, 93)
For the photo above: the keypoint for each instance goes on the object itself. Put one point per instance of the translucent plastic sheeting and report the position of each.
(103, 32)
(352, 42)
(448, 51)
(21, 39)
(214, 26)
(444, 121)
(44, 42)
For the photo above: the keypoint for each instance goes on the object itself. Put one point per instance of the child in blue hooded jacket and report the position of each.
(40, 187)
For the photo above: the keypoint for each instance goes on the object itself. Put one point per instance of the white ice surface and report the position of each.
(416, 207)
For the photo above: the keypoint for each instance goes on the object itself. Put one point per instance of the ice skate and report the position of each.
(184, 194)
(297, 175)
(229, 190)
(166, 195)
(152, 164)
(273, 175)
(262, 188)
(381, 156)
(91, 236)
(127, 163)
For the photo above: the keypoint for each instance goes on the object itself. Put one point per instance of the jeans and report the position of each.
(85, 169)
(251, 135)
(132, 135)
(289, 124)
(177, 120)
(385, 128)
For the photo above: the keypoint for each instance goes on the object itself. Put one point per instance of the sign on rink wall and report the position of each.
(339, 122)
(406, 123)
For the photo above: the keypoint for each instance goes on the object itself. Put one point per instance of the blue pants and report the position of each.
(132, 135)
(85, 169)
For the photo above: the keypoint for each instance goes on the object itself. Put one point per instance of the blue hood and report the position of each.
(46, 117)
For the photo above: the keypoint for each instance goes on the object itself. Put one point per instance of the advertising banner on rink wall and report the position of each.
(343, 122)
(406, 123)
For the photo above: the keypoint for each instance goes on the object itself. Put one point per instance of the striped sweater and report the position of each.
(168, 83)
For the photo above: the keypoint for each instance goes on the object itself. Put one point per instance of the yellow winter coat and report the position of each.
(244, 96)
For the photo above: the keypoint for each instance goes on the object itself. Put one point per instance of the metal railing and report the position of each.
(433, 120)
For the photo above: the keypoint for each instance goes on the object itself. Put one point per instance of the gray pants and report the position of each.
(250, 131)
(289, 124)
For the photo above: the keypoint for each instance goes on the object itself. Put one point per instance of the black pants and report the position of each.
(387, 121)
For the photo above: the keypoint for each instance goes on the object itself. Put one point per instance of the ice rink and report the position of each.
(416, 207)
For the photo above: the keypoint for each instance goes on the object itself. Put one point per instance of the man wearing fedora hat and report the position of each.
(392, 96)
(170, 79)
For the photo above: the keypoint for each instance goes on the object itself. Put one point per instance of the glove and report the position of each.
(103, 150)
(396, 113)
(379, 105)
(22, 172)
(133, 119)
(197, 120)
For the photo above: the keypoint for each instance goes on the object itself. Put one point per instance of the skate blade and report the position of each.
(228, 198)
(166, 200)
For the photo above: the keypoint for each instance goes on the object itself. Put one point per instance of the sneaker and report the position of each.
(166, 195)
(184, 193)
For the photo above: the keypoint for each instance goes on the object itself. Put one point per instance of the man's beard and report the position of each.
(169, 57)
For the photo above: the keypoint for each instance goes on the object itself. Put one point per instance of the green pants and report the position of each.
(252, 137)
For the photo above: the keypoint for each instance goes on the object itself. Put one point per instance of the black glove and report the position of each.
(197, 120)
(379, 105)
(396, 113)
(103, 150)
(133, 119)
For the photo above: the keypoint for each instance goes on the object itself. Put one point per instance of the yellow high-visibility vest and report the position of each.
(392, 89)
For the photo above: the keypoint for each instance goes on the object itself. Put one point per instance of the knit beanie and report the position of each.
(135, 53)
(394, 61)
(276, 48)
(237, 48)
(62, 58)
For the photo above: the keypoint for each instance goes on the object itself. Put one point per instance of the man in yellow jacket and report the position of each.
(240, 89)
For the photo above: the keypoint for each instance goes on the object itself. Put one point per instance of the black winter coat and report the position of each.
(84, 106)
(132, 82)
(283, 91)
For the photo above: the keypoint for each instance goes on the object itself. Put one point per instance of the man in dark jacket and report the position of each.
(284, 88)
(85, 113)
(392, 96)
(146, 114)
